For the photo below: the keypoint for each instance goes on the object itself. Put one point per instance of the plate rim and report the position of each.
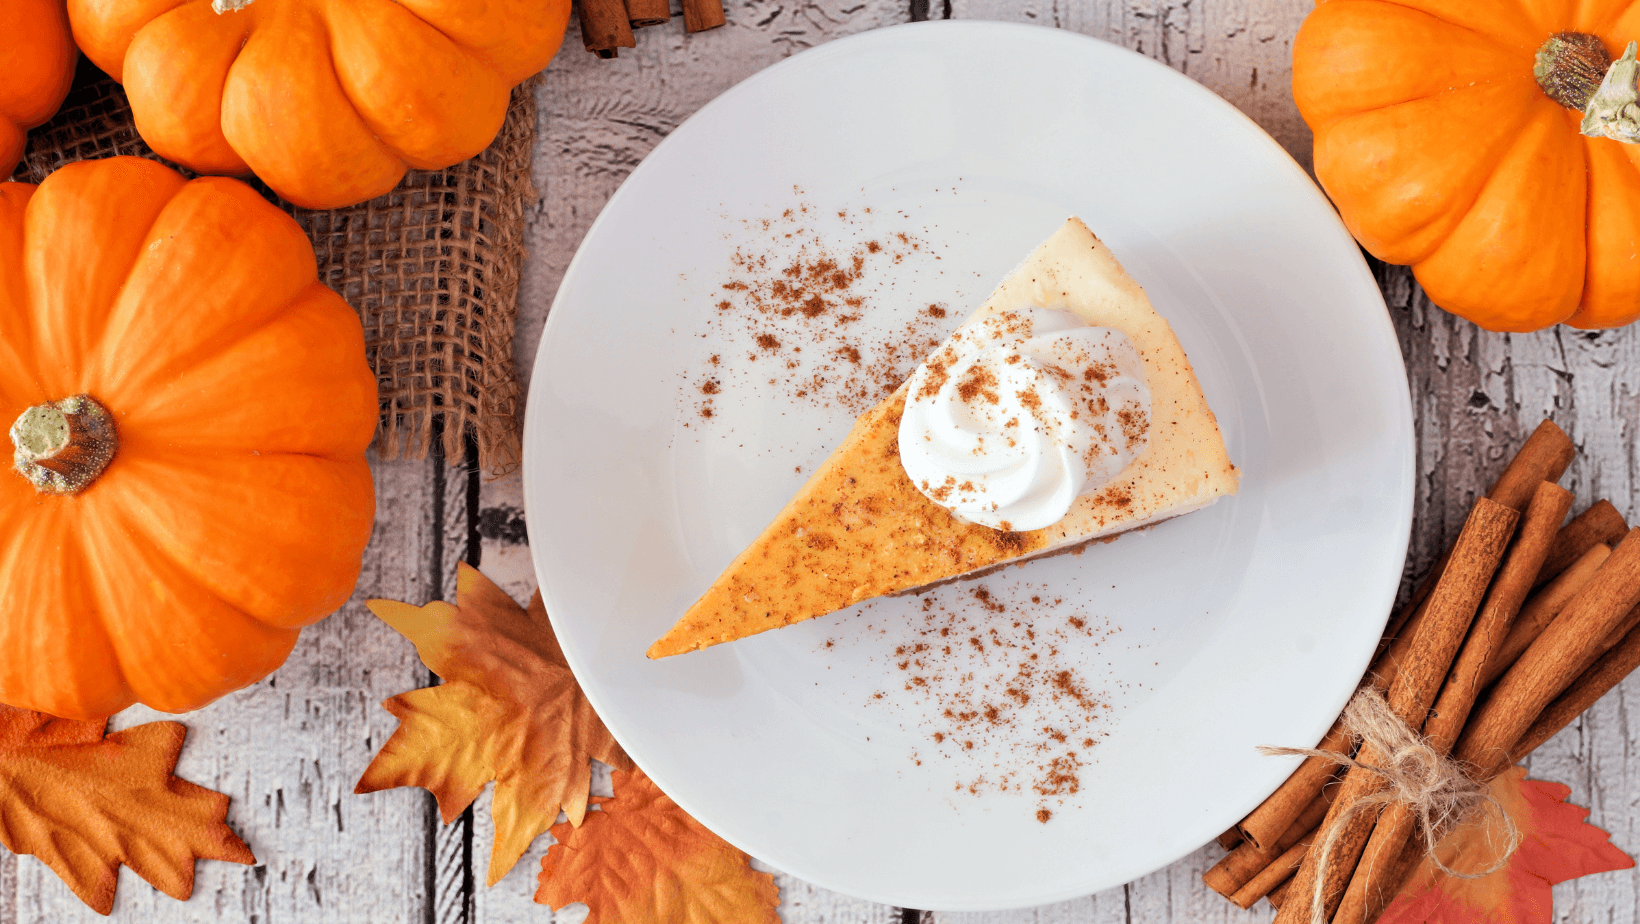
(1403, 422)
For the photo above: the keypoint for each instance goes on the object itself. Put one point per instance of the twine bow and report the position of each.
(1438, 790)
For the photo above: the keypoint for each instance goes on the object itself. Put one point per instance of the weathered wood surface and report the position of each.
(289, 749)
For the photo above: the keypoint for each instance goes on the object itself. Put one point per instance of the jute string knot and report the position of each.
(1439, 792)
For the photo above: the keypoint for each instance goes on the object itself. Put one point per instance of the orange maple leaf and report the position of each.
(643, 860)
(84, 804)
(509, 711)
(1556, 845)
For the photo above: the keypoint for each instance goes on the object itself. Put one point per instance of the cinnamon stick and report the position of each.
(1381, 859)
(1394, 876)
(699, 15)
(1616, 664)
(605, 27)
(641, 13)
(1601, 523)
(1266, 824)
(1238, 867)
(1277, 872)
(1514, 580)
(1568, 647)
(1543, 457)
(1279, 893)
(1401, 618)
(1544, 606)
(1389, 664)
(1623, 628)
(1230, 839)
(1451, 608)
(1400, 622)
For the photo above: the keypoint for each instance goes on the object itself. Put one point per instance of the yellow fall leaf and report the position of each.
(509, 710)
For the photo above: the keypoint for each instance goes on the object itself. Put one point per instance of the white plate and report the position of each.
(1245, 624)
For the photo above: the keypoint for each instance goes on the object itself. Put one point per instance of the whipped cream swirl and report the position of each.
(1020, 413)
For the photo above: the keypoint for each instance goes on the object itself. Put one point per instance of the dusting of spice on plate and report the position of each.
(998, 683)
(792, 309)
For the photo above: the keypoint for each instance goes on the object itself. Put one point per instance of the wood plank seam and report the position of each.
(451, 878)
(920, 10)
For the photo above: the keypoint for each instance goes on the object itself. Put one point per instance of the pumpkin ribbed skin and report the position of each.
(39, 57)
(328, 102)
(1441, 151)
(238, 505)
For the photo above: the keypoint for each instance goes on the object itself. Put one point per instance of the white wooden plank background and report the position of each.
(290, 748)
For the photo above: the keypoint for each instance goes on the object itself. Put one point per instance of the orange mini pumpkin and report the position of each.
(329, 103)
(189, 409)
(39, 60)
(1448, 134)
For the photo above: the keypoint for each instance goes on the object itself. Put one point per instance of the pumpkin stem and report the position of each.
(61, 448)
(1614, 110)
(1569, 67)
(229, 6)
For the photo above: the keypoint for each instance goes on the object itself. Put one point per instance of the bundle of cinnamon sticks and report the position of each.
(1521, 626)
(606, 25)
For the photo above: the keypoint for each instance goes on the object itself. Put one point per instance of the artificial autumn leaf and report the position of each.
(84, 804)
(509, 710)
(1556, 845)
(643, 860)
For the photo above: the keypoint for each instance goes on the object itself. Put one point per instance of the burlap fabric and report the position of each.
(431, 267)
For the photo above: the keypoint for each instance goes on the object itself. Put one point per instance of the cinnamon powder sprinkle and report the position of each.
(1005, 680)
(801, 296)
(980, 382)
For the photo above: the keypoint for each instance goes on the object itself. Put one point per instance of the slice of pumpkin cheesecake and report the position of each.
(1062, 411)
